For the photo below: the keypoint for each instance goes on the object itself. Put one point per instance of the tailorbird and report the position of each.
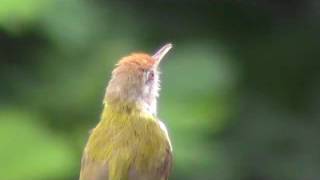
(130, 142)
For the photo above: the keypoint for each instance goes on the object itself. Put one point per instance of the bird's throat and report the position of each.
(148, 106)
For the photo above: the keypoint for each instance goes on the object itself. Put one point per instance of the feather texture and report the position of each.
(130, 143)
(127, 146)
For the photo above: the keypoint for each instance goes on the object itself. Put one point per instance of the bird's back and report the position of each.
(127, 146)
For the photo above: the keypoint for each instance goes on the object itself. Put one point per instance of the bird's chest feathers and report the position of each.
(133, 139)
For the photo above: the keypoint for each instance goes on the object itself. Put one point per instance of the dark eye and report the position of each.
(150, 76)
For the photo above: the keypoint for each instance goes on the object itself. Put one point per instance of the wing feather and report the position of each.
(167, 165)
(93, 170)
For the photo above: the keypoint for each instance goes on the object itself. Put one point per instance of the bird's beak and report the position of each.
(158, 56)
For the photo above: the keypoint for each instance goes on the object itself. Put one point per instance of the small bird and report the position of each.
(130, 142)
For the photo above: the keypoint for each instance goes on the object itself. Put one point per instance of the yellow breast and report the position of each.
(125, 139)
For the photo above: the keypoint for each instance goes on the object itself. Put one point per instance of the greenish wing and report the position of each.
(161, 173)
(167, 165)
(93, 170)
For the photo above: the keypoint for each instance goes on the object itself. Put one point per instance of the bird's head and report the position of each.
(135, 80)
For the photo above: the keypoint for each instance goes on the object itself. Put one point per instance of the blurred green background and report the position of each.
(240, 89)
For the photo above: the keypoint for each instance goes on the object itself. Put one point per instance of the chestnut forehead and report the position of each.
(137, 61)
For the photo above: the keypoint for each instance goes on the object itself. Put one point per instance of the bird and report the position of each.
(130, 142)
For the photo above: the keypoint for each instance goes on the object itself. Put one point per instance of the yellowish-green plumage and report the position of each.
(134, 138)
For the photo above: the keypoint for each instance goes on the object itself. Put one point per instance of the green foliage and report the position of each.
(194, 107)
(16, 15)
(239, 89)
(29, 150)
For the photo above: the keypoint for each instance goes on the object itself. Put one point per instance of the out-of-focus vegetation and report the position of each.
(240, 90)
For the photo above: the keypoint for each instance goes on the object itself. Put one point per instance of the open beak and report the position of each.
(158, 56)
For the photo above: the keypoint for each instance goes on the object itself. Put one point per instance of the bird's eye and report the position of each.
(149, 76)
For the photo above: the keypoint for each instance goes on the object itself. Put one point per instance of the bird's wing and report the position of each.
(93, 170)
(167, 165)
(161, 173)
